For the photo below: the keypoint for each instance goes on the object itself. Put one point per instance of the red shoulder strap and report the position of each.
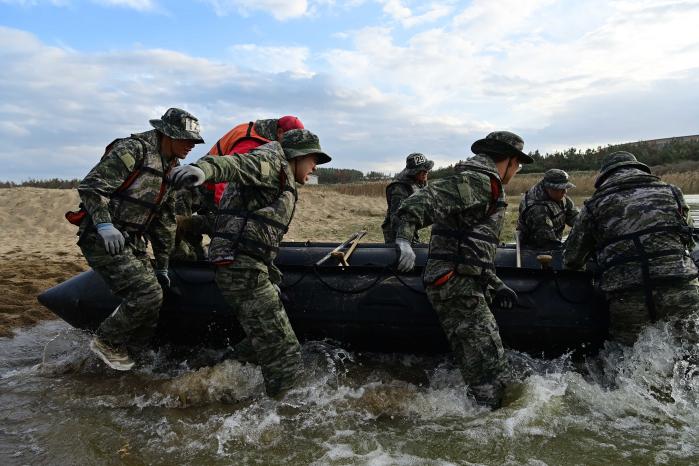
(495, 193)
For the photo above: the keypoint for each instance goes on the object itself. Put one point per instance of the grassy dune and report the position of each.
(687, 180)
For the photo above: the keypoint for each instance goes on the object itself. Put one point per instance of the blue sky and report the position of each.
(375, 79)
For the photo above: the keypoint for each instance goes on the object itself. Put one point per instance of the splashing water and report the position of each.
(60, 405)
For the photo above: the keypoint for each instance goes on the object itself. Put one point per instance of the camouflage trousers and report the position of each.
(129, 276)
(259, 309)
(189, 240)
(470, 328)
(628, 313)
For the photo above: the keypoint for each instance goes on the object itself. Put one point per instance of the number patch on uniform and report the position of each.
(465, 193)
(264, 168)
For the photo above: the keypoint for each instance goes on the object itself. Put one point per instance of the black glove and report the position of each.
(163, 279)
(505, 297)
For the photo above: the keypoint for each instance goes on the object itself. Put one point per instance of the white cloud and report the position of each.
(280, 9)
(399, 11)
(273, 59)
(516, 64)
(138, 5)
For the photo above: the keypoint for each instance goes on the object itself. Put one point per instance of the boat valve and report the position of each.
(545, 260)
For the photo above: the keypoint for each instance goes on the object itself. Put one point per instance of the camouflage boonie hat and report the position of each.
(300, 142)
(179, 124)
(502, 143)
(557, 179)
(617, 160)
(416, 163)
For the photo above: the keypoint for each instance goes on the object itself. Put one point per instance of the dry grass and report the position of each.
(370, 189)
(687, 180)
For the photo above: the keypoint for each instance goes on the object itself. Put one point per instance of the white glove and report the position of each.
(186, 176)
(406, 255)
(113, 239)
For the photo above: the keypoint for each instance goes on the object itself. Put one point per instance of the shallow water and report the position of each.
(59, 405)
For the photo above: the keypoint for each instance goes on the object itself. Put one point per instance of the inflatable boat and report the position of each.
(363, 305)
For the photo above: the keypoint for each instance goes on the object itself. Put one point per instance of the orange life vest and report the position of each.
(225, 145)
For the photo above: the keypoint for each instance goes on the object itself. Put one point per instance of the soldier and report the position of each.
(410, 180)
(467, 210)
(545, 210)
(239, 140)
(639, 230)
(254, 214)
(126, 201)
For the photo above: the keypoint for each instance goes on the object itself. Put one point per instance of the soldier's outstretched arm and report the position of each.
(245, 169)
(105, 177)
(414, 212)
(580, 243)
(162, 231)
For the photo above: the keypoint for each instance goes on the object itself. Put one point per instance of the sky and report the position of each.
(374, 79)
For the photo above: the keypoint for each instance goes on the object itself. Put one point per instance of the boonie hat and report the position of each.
(416, 163)
(617, 160)
(557, 179)
(300, 142)
(502, 143)
(179, 124)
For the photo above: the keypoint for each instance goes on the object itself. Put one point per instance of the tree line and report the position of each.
(653, 154)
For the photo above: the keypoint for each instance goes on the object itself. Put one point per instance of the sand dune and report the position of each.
(38, 247)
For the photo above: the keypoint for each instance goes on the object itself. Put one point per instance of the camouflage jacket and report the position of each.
(467, 210)
(638, 228)
(542, 220)
(256, 208)
(146, 209)
(396, 192)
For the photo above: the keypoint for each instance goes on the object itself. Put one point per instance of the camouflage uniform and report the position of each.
(144, 211)
(639, 230)
(254, 214)
(541, 219)
(467, 212)
(401, 188)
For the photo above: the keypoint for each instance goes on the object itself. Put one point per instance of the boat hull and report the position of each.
(365, 307)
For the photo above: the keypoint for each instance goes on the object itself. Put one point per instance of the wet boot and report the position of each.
(489, 394)
(244, 352)
(116, 358)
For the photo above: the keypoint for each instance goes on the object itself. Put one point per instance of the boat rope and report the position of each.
(352, 291)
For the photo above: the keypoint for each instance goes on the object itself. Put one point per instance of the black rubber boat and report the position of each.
(365, 307)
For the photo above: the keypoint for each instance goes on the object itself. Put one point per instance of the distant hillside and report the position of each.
(654, 152)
